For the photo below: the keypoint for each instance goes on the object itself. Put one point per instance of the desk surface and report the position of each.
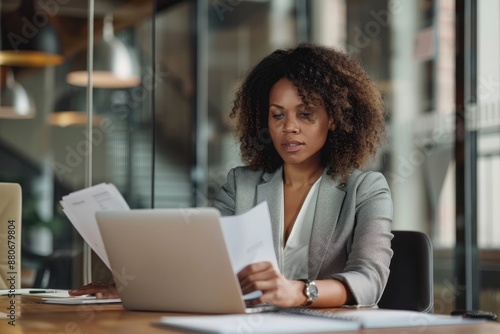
(33, 317)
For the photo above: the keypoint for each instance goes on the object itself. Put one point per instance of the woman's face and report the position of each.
(298, 131)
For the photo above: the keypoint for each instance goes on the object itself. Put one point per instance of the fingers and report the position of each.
(106, 295)
(101, 290)
(84, 290)
(260, 276)
(276, 289)
(254, 268)
(279, 292)
(256, 276)
(107, 292)
(262, 281)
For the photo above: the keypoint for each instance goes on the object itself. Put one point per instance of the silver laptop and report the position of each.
(172, 260)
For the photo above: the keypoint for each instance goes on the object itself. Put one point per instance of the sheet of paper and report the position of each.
(80, 208)
(249, 237)
(382, 318)
(267, 323)
(80, 300)
(53, 296)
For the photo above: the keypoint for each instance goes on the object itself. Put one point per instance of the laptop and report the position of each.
(172, 260)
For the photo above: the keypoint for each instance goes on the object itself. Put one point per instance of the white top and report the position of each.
(296, 251)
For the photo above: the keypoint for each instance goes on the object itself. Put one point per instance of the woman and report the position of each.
(307, 119)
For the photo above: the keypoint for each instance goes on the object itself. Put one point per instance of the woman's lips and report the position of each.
(292, 146)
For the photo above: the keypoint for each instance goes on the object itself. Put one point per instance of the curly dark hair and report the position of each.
(321, 74)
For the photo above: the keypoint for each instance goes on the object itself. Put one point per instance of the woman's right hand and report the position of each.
(99, 289)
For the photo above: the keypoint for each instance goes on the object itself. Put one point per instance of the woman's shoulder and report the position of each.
(366, 180)
(246, 174)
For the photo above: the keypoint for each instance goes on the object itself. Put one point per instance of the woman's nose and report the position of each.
(290, 125)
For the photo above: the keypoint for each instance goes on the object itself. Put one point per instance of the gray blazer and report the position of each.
(351, 236)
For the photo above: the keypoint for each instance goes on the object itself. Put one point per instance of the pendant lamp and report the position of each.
(69, 110)
(114, 64)
(15, 103)
(28, 38)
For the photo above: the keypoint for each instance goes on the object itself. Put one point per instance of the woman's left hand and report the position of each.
(276, 289)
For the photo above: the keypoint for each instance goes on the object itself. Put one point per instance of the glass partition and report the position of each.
(488, 154)
(52, 152)
(409, 48)
(238, 37)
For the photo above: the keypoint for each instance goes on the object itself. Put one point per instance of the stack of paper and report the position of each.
(50, 296)
(80, 208)
(265, 323)
(310, 321)
(80, 300)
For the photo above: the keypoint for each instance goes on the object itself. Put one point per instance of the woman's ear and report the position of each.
(331, 124)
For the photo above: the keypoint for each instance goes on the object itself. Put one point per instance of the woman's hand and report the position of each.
(276, 289)
(100, 290)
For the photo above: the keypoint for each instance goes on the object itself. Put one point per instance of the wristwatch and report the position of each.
(311, 291)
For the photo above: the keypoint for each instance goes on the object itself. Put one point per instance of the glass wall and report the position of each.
(488, 153)
(50, 151)
(409, 48)
(238, 36)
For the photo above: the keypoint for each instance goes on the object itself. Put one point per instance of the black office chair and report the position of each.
(410, 284)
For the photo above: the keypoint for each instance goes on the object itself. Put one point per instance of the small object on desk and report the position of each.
(475, 314)
(34, 292)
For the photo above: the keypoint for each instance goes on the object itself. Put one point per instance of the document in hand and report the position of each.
(249, 237)
(80, 208)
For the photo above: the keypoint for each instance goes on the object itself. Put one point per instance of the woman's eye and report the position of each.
(306, 115)
(278, 116)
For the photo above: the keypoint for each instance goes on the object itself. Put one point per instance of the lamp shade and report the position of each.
(72, 118)
(15, 103)
(114, 65)
(69, 110)
(28, 38)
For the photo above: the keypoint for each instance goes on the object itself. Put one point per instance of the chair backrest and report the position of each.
(10, 235)
(410, 284)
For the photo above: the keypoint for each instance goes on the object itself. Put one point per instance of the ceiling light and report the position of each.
(72, 118)
(15, 103)
(28, 38)
(69, 111)
(114, 64)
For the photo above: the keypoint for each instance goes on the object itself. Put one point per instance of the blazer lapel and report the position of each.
(328, 207)
(269, 190)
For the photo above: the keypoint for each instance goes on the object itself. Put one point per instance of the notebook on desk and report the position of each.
(173, 260)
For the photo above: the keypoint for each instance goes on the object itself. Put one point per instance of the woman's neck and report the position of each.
(300, 176)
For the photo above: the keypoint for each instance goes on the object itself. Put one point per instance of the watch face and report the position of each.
(312, 291)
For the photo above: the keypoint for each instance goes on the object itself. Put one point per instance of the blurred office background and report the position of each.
(161, 131)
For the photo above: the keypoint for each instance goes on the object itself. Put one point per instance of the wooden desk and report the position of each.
(33, 317)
